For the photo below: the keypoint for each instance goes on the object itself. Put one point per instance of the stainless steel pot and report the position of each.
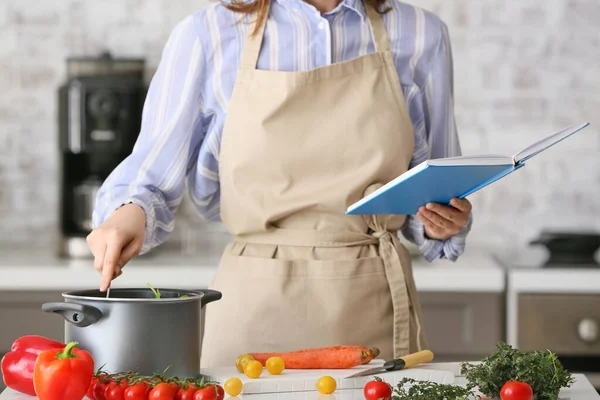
(134, 331)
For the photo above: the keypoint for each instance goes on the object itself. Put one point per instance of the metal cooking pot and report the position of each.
(134, 331)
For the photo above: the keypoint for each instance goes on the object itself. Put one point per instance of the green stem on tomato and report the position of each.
(67, 352)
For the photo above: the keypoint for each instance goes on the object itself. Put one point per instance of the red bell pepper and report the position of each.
(63, 374)
(17, 365)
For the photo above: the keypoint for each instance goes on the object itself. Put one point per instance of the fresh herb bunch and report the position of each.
(540, 369)
(425, 390)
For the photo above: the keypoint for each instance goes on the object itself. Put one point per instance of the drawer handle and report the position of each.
(588, 330)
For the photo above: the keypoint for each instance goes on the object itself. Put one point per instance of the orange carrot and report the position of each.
(334, 357)
(373, 353)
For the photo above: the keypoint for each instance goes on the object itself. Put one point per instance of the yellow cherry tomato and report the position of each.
(233, 386)
(253, 369)
(241, 361)
(326, 385)
(275, 365)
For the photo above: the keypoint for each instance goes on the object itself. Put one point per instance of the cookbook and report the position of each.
(439, 180)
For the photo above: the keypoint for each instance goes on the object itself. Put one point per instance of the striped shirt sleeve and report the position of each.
(440, 139)
(153, 175)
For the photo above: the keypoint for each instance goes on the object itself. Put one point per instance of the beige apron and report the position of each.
(297, 149)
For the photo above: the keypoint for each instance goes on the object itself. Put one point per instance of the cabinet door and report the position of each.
(462, 326)
(21, 314)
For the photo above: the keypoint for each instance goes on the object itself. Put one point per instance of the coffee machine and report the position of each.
(100, 111)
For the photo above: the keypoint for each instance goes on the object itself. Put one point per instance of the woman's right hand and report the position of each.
(116, 241)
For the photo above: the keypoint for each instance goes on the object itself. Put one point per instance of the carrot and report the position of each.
(334, 357)
(373, 353)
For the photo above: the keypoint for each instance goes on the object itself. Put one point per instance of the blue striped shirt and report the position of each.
(187, 101)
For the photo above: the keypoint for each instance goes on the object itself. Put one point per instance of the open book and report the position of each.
(440, 180)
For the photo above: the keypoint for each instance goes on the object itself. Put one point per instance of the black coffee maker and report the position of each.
(100, 111)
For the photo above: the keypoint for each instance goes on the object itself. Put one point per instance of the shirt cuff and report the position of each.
(145, 205)
(431, 249)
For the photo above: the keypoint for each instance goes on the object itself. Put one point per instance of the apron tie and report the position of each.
(396, 273)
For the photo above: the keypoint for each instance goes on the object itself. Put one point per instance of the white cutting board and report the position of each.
(305, 380)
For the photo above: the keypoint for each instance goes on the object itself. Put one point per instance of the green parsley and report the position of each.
(411, 389)
(540, 369)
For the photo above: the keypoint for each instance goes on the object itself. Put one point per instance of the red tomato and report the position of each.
(220, 392)
(162, 391)
(207, 393)
(114, 391)
(513, 390)
(90, 392)
(186, 394)
(137, 391)
(99, 389)
(174, 387)
(124, 383)
(377, 390)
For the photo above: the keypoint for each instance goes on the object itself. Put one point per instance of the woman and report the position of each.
(277, 128)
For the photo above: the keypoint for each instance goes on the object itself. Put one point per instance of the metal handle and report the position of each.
(588, 330)
(209, 296)
(80, 315)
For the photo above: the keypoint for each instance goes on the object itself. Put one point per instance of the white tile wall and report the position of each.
(523, 69)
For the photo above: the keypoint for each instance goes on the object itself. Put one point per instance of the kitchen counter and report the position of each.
(580, 390)
(473, 272)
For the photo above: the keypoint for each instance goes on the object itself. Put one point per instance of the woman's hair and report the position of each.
(261, 8)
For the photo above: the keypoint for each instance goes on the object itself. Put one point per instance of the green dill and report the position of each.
(411, 389)
(539, 369)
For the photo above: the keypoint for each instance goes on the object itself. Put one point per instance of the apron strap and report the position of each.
(253, 44)
(381, 40)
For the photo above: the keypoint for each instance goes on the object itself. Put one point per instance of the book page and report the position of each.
(483, 159)
(546, 143)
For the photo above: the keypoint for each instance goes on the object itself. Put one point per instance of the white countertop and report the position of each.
(550, 280)
(581, 389)
(473, 272)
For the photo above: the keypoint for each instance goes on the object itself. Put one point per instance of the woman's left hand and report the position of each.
(442, 222)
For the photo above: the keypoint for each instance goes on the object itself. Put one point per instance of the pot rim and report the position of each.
(194, 295)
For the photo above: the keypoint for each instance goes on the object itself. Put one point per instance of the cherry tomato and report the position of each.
(124, 383)
(114, 391)
(136, 391)
(220, 392)
(242, 360)
(174, 387)
(162, 391)
(326, 385)
(513, 390)
(253, 369)
(90, 392)
(207, 393)
(233, 386)
(377, 389)
(275, 365)
(99, 389)
(186, 394)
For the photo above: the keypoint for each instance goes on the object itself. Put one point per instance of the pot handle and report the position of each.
(80, 315)
(209, 296)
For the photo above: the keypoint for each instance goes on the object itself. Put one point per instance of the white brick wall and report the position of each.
(523, 69)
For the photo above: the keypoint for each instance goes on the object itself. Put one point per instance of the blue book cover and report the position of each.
(440, 180)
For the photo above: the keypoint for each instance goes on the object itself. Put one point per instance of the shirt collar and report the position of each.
(357, 6)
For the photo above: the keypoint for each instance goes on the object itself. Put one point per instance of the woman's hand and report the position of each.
(116, 241)
(442, 222)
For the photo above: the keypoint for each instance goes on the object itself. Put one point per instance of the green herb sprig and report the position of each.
(539, 369)
(426, 390)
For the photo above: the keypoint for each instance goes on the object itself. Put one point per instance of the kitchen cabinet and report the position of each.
(21, 314)
(463, 326)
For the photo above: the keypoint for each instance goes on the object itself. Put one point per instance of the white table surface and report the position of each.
(582, 389)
